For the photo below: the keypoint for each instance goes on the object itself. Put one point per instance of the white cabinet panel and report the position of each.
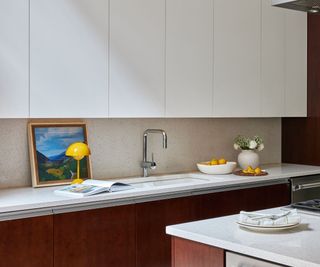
(296, 64)
(137, 58)
(189, 58)
(237, 58)
(68, 56)
(272, 60)
(14, 53)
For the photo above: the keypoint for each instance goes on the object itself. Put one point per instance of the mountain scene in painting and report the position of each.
(51, 145)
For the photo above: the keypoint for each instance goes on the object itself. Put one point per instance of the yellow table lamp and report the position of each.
(78, 151)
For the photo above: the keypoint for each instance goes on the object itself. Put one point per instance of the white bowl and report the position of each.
(217, 169)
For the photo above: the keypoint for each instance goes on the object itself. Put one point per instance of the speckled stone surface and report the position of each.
(116, 145)
(297, 247)
(30, 199)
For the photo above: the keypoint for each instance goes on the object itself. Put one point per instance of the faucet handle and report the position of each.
(153, 164)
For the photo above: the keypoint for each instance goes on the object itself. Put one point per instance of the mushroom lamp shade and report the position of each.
(78, 151)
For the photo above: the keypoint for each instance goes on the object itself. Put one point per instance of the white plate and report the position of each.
(268, 228)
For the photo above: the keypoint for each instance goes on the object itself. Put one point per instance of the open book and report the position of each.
(92, 187)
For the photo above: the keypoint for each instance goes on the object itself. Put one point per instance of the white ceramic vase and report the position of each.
(248, 158)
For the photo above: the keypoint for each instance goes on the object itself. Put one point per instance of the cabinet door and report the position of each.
(153, 245)
(68, 58)
(272, 60)
(27, 242)
(14, 72)
(296, 64)
(137, 56)
(189, 58)
(232, 202)
(237, 43)
(100, 237)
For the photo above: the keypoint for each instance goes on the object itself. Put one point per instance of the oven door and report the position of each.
(305, 188)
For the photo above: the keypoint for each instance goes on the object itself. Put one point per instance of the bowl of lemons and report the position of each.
(217, 166)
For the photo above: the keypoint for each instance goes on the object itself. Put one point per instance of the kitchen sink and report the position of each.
(168, 182)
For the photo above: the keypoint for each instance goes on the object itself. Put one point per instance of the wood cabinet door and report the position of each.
(14, 62)
(95, 238)
(153, 245)
(27, 242)
(250, 199)
(189, 58)
(266, 197)
(137, 58)
(68, 58)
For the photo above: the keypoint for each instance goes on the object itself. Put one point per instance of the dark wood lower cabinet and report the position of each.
(95, 238)
(123, 236)
(186, 253)
(154, 246)
(27, 242)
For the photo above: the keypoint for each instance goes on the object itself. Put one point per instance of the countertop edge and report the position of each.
(19, 209)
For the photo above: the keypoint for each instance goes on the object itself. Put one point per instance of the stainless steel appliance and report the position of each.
(236, 260)
(305, 188)
(311, 6)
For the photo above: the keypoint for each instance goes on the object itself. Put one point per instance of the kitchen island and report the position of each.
(215, 238)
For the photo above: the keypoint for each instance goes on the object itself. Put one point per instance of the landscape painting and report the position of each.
(48, 145)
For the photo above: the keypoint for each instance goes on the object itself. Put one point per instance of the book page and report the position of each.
(100, 183)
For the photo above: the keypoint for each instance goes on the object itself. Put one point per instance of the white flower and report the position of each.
(236, 146)
(260, 147)
(253, 144)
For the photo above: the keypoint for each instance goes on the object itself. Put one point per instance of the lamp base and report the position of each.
(77, 181)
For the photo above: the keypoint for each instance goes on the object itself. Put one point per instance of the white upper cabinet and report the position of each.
(68, 58)
(189, 58)
(296, 64)
(272, 60)
(137, 58)
(237, 58)
(14, 72)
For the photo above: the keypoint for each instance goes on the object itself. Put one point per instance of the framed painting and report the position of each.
(48, 143)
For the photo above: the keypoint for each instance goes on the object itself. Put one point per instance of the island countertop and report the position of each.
(28, 201)
(298, 247)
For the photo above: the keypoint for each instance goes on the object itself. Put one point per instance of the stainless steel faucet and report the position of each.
(145, 164)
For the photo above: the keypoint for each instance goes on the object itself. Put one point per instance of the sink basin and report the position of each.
(166, 182)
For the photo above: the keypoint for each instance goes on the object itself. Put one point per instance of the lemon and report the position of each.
(249, 169)
(214, 162)
(257, 170)
(222, 161)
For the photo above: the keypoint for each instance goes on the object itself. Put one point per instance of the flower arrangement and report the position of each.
(246, 143)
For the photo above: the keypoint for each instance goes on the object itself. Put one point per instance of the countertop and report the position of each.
(298, 247)
(29, 202)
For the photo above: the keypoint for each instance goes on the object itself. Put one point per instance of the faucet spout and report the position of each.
(151, 164)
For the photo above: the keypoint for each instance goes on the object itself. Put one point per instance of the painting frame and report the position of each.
(34, 164)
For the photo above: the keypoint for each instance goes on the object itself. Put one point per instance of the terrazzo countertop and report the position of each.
(298, 247)
(28, 201)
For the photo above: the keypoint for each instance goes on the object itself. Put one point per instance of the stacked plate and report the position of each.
(269, 222)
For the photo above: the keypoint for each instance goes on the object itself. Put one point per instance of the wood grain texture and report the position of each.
(153, 245)
(27, 242)
(187, 253)
(300, 136)
(153, 217)
(94, 238)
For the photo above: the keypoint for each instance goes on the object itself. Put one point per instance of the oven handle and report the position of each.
(305, 186)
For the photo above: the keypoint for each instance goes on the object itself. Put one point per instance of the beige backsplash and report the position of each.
(116, 145)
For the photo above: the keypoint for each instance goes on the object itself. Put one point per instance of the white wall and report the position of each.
(116, 145)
